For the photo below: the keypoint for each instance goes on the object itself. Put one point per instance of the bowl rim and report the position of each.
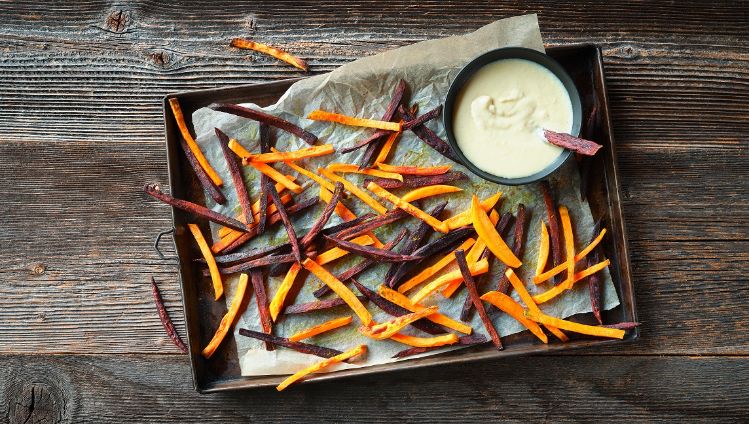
(470, 68)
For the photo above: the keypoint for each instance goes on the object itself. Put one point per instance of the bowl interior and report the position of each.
(465, 75)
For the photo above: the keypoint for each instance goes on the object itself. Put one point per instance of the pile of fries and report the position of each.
(460, 255)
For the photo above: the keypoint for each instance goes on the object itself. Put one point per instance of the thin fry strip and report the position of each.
(351, 168)
(323, 218)
(279, 54)
(553, 218)
(236, 177)
(437, 318)
(388, 328)
(395, 101)
(428, 136)
(345, 213)
(429, 191)
(356, 191)
(411, 209)
(321, 115)
(228, 320)
(569, 245)
(595, 283)
(530, 303)
(340, 289)
(518, 241)
(428, 116)
(543, 249)
(576, 144)
(579, 257)
(265, 118)
(309, 174)
(264, 131)
(372, 252)
(387, 147)
(232, 235)
(205, 180)
(194, 148)
(414, 181)
(295, 247)
(336, 253)
(276, 176)
(471, 340)
(310, 349)
(261, 299)
(513, 309)
(321, 365)
(476, 268)
(443, 340)
(305, 153)
(486, 231)
(371, 224)
(218, 286)
(280, 297)
(318, 305)
(460, 257)
(165, 320)
(321, 328)
(559, 289)
(154, 191)
(464, 218)
(429, 271)
(590, 330)
(223, 231)
(415, 170)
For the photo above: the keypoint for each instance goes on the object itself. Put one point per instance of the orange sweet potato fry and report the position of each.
(561, 288)
(387, 147)
(233, 235)
(228, 319)
(276, 176)
(218, 286)
(429, 271)
(342, 211)
(276, 305)
(325, 363)
(321, 115)
(336, 252)
(476, 268)
(526, 297)
(486, 231)
(580, 256)
(415, 170)
(443, 340)
(411, 209)
(590, 330)
(223, 231)
(437, 318)
(340, 289)
(473, 255)
(543, 250)
(180, 119)
(464, 218)
(356, 191)
(279, 54)
(569, 245)
(351, 168)
(307, 152)
(513, 309)
(309, 174)
(321, 328)
(429, 191)
(392, 326)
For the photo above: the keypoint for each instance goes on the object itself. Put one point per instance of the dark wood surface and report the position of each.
(81, 132)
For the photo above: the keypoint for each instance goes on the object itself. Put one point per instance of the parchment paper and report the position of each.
(363, 88)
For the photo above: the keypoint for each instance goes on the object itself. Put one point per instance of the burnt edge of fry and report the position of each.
(472, 340)
(165, 320)
(237, 177)
(460, 258)
(318, 305)
(269, 339)
(324, 217)
(415, 181)
(554, 230)
(205, 181)
(266, 118)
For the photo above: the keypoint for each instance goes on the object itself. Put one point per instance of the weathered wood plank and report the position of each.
(158, 388)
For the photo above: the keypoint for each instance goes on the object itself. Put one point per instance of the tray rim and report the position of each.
(243, 383)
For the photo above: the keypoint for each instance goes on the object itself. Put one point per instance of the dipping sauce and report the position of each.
(500, 114)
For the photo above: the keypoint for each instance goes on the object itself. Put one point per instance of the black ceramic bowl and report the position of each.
(465, 75)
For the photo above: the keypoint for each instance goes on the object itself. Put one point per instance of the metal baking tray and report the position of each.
(202, 313)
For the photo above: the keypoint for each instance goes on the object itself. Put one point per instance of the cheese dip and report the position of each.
(500, 114)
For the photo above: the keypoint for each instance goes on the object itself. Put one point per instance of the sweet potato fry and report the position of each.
(325, 363)
(228, 320)
(218, 286)
(279, 54)
(321, 115)
(323, 218)
(414, 181)
(321, 328)
(578, 145)
(387, 147)
(411, 209)
(376, 139)
(372, 252)
(443, 340)
(559, 289)
(430, 271)
(309, 174)
(265, 261)
(428, 136)
(595, 283)
(369, 141)
(486, 231)
(261, 298)
(557, 255)
(249, 255)
(569, 245)
(262, 218)
(255, 207)
(340, 209)
(232, 235)
(340, 289)
(578, 257)
(260, 116)
(309, 349)
(477, 268)
(208, 185)
(165, 320)
(305, 153)
(530, 303)
(590, 330)
(415, 170)
(194, 148)
(154, 190)
(593, 243)
(388, 328)
(465, 270)
(474, 339)
(543, 250)
(319, 305)
(295, 248)
(513, 309)
(428, 116)
(371, 224)
(429, 191)
(351, 168)
(236, 176)
(276, 176)
(623, 325)
(517, 246)
(437, 318)
(464, 218)
(356, 191)
(280, 297)
(330, 255)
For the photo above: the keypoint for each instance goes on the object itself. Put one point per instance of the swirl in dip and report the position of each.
(500, 114)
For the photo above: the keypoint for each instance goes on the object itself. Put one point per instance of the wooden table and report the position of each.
(81, 132)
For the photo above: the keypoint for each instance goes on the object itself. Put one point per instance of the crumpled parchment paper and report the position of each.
(363, 88)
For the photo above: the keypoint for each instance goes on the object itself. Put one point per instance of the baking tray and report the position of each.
(202, 313)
